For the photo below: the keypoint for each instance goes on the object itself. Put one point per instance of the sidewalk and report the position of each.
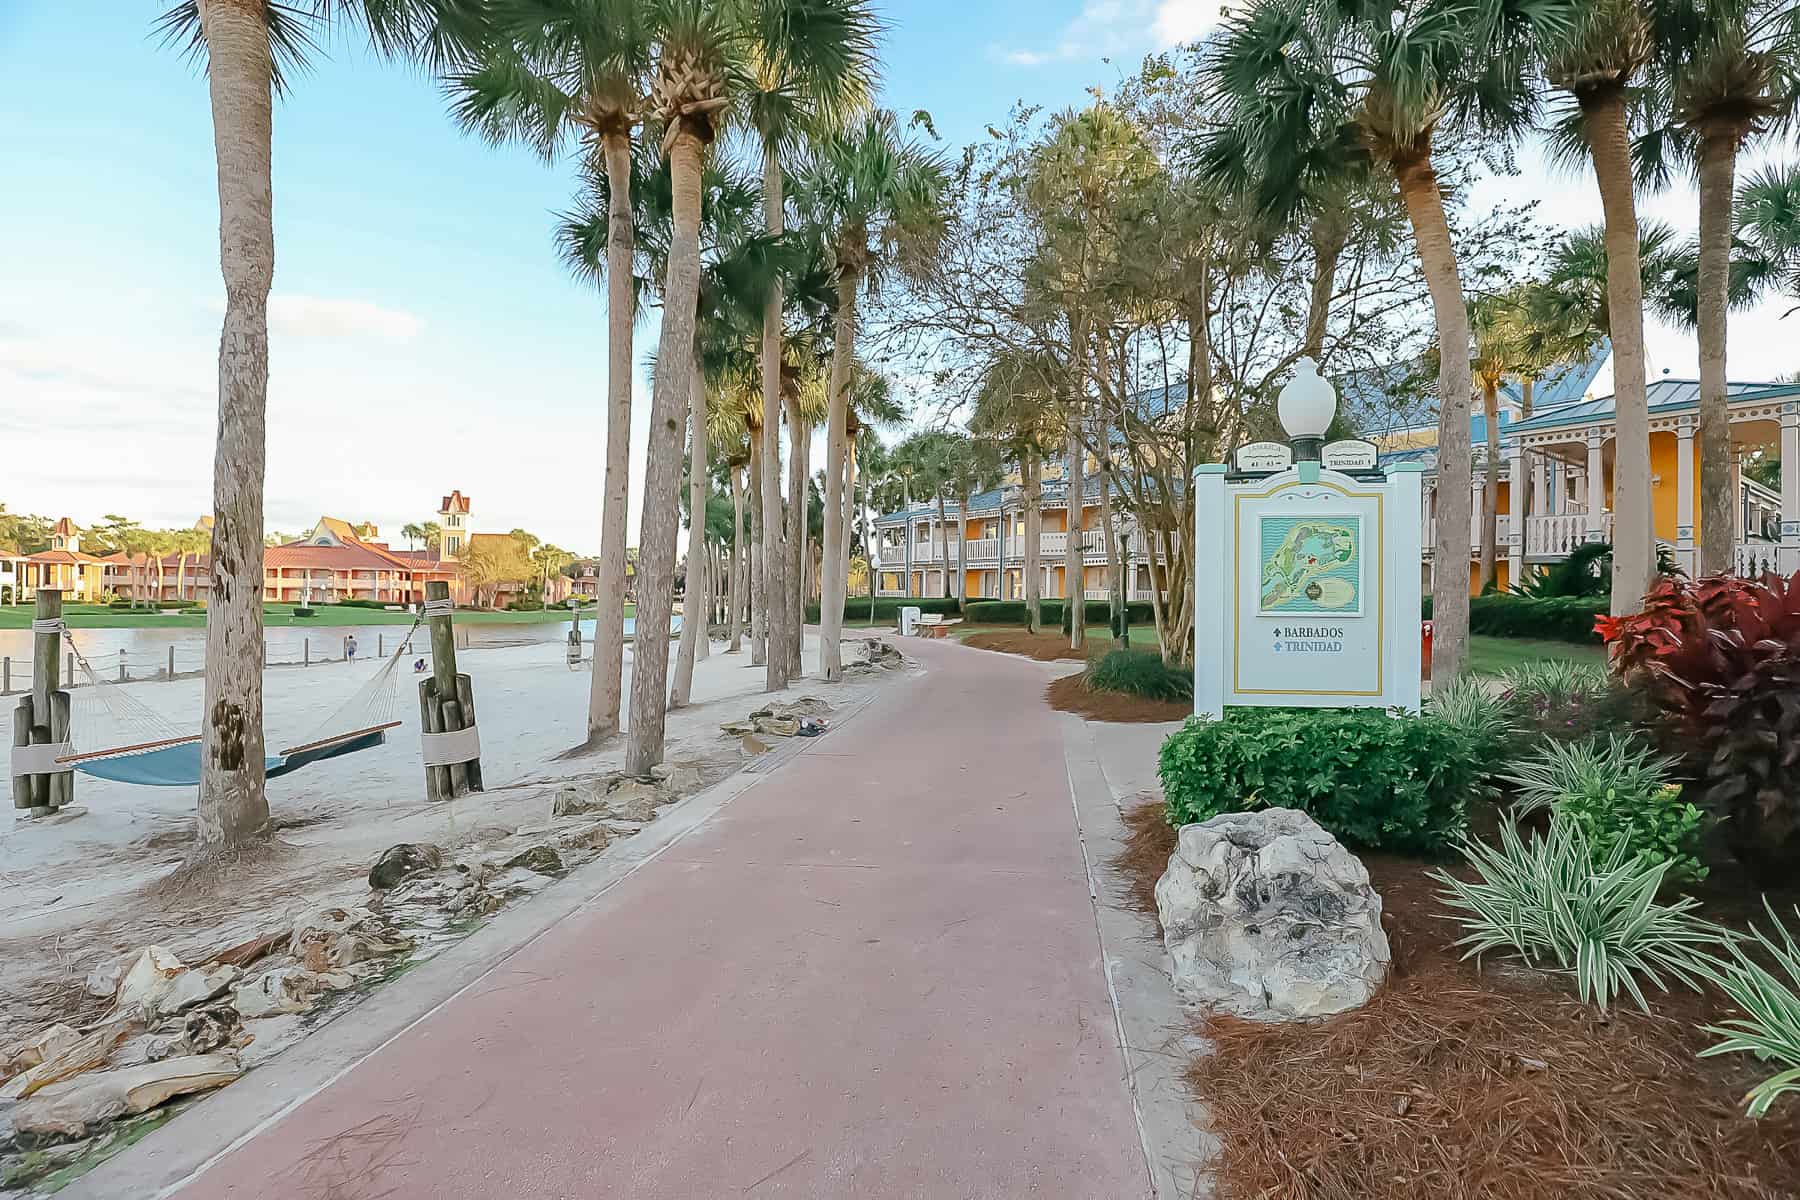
(874, 973)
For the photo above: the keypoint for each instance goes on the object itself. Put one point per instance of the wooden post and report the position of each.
(446, 698)
(42, 715)
(5, 676)
(306, 652)
(171, 661)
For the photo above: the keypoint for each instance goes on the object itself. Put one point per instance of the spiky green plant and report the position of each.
(1473, 708)
(1770, 1026)
(1615, 765)
(1554, 683)
(1552, 903)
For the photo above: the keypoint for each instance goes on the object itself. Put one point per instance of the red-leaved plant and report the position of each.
(1720, 659)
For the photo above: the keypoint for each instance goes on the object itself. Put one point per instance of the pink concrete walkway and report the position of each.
(875, 973)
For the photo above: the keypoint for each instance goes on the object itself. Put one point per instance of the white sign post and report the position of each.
(1315, 577)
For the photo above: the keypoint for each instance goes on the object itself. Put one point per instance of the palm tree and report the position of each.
(1015, 408)
(1728, 68)
(698, 62)
(1496, 357)
(871, 192)
(1596, 56)
(813, 67)
(413, 532)
(574, 70)
(971, 465)
(1310, 90)
(1768, 219)
(249, 47)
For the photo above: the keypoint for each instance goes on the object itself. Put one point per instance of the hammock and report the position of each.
(154, 753)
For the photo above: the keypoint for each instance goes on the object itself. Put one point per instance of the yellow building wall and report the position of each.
(972, 583)
(1502, 575)
(1665, 488)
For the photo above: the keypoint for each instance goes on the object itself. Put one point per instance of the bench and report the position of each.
(932, 625)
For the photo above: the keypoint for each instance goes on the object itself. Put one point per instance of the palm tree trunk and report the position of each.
(662, 474)
(1074, 562)
(693, 608)
(1328, 239)
(759, 592)
(233, 805)
(605, 689)
(1115, 563)
(774, 586)
(1437, 258)
(735, 588)
(962, 549)
(1633, 560)
(1718, 169)
(1034, 534)
(836, 583)
(850, 510)
(1490, 494)
(799, 450)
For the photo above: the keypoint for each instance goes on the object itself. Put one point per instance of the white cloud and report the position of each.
(1179, 21)
(328, 317)
(1108, 28)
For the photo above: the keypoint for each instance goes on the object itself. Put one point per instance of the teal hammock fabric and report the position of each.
(179, 766)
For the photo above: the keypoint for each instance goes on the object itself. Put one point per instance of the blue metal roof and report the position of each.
(1664, 395)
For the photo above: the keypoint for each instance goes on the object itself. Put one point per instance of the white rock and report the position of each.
(282, 990)
(196, 987)
(269, 1037)
(147, 980)
(103, 980)
(519, 879)
(30, 1052)
(74, 1106)
(1265, 915)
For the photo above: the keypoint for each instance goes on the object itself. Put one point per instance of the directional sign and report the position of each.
(1264, 456)
(1351, 454)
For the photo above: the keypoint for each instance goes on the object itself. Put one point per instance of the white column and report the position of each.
(1790, 474)
(1596, 489)
(1515, 536)
(1540, 485)
(1684, 483)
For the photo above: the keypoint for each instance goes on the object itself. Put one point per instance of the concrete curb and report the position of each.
(170, 1158)
(1155, 1032)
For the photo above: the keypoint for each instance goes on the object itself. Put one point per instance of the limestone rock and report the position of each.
(83, 1054)
(571, 801)
(1265, 915)
(102, 981)
(73, 1107)
(149, 977)
(398, 862)
(30, 1052)
(195, 987)
(632, 800)
(282, 990)
(542, 859)
(337, 937)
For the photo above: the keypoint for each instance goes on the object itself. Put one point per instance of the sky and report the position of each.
(423, 335)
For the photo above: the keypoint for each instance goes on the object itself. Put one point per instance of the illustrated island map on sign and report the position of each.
(1310, 564)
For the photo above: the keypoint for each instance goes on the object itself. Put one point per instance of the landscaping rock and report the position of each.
(282, 990)
(519, 879)
(103, 980)
(147, 979)
(403, 861)
(572, 800)
(264, 1039)
(83, 1054)
(196, 986)
(337, 937)
(73, 1107)
(542, 859)
(632, 800)
(1266, 916)
(29, 1052)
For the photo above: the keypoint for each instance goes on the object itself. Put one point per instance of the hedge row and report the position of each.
(1050, 612)
(887, 608)
(125, 605)
(1555, 618)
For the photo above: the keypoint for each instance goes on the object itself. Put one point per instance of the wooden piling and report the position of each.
(42, 715)
(446, 698)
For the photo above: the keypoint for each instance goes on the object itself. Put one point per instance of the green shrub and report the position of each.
(1616, 791)
(358, 602)
(1377, 780)
(1555, 903)
(124, 605)
(1560, 618)
(1587, 571)
(1050, 612)
(304, 612)
(1770, 1025)
(1139, 673)
(887, 608)
(1477, 712)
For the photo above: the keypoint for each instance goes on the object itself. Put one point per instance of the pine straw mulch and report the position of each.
(1045, 647)
(1458, 1082)
(1071, 694)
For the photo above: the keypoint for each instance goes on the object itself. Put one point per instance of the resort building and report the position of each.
(1555, 493)
(1556, 486)
(64, 566)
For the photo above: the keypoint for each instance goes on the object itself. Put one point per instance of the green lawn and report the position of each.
(99, 616)
(1496, 655)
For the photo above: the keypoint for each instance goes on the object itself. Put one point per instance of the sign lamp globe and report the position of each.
(1307, 405)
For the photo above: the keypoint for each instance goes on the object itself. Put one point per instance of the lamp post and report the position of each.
(1306, 406)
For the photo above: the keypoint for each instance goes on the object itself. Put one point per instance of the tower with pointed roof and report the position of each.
(453, 520)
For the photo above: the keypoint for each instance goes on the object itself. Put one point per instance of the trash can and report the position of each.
(909, 620)
(1425, 651)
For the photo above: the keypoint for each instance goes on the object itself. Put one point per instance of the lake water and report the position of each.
(144, 653)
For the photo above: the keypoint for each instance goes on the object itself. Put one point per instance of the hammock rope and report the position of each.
(144, 734)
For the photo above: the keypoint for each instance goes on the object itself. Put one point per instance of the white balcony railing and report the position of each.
(1557, 535)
